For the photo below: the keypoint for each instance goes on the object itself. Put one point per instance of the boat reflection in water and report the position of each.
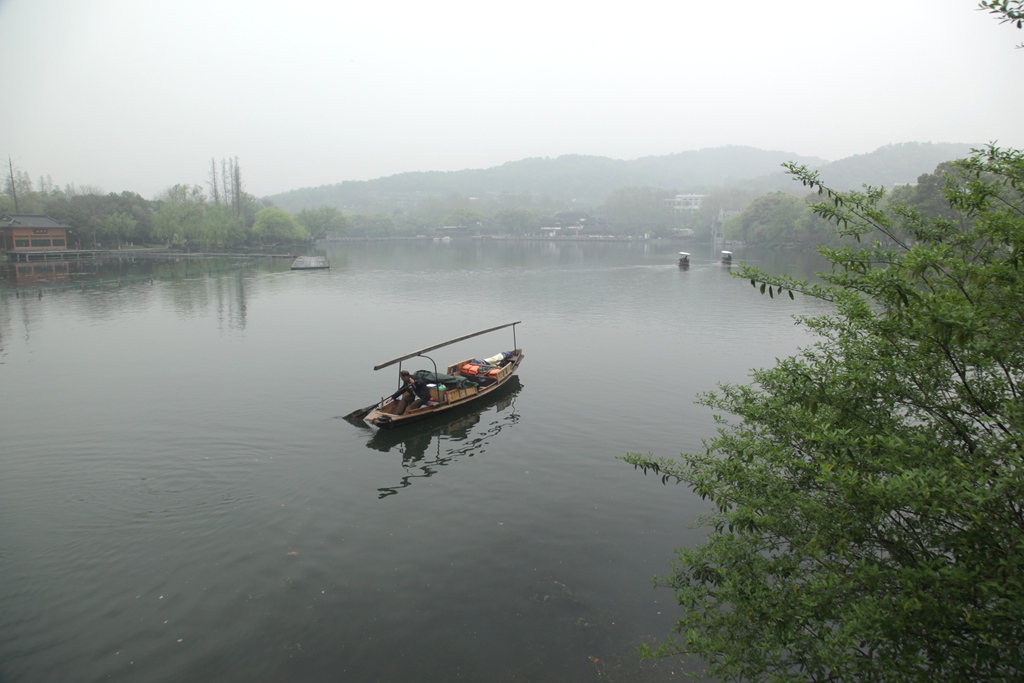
(421, 446)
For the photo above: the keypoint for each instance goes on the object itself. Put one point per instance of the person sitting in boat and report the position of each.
(413, 390)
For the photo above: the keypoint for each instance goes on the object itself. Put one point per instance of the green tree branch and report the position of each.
(866, 493)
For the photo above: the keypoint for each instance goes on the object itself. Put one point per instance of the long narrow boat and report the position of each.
(463, 383)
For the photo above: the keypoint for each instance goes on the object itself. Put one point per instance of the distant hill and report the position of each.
(896, 164)
(586, 181)
(891, 165)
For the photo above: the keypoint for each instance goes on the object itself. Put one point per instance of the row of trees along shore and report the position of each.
(223, 214)
(866, 517)
(183, 215)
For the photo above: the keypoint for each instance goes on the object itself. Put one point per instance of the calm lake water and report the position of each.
(180, 500)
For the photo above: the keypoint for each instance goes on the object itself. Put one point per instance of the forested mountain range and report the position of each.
(587, 181)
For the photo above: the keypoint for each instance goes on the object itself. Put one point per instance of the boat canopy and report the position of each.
(450, 341)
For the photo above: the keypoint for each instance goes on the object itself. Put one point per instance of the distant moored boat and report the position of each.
(310, 263)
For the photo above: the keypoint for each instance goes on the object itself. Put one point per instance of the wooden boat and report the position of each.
(463, 383)
(684, 259)
(726, 258)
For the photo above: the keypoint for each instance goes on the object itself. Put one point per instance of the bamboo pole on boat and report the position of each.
(450, 341)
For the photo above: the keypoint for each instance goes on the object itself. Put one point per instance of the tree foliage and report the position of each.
(323, 221)
(465, 218)
(778, 219)
(377, 225)
(636, 210)
(120, 226)
(274, 225)
(868, 519)
(928, 194)
(515, 221)
(1008, 11)
(180, 216)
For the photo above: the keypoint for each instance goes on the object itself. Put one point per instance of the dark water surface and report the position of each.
(179, 499)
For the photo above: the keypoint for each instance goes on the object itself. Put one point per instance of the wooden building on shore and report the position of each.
(32, 237)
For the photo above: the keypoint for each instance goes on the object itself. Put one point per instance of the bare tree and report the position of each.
(14, 191)
(225, 185)
(236, 186)
(213, 181)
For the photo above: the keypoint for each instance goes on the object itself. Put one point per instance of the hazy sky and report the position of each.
(140, 95)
